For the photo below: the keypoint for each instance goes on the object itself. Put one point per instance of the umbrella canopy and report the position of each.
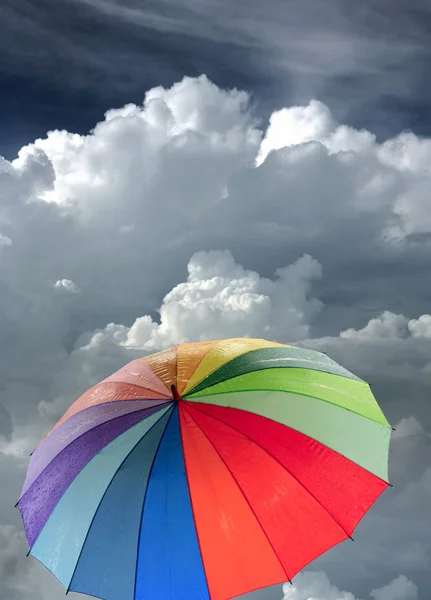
(204, 472)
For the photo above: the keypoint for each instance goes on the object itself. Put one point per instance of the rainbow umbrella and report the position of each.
(204, 472)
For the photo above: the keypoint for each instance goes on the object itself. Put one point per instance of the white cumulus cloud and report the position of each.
(222, 299)
(67, 285)
(392, 326)
(315, 585)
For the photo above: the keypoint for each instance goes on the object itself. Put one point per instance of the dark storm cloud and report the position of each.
(101, 50)
(63, 62)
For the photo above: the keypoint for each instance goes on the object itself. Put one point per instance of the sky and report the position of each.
(174, 173)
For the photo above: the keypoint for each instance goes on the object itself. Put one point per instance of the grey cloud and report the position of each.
(5, 423)
(366, 62)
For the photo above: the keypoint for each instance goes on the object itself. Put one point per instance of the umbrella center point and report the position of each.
(175, 394)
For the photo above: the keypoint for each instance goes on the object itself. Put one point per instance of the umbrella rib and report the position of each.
(199, 388)
(127, 372)
(202, 358)
(175, 382)
(280, 463)
(191, 500)
(138, 385)
(148, 356)
(189, 397)
(145, 497)
(244, 496)
(106, 491)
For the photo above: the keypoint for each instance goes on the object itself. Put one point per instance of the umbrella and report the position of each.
(205, 471)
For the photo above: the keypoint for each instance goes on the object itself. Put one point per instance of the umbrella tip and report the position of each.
(175, 395)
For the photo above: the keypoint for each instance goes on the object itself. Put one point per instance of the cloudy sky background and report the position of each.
(204, 171)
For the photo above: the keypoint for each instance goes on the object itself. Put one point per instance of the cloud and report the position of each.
(5, 241)
(317, 586)
(387, 326)
(220, 299)
(104, 199)
(407, 427)
(5, 423)
(398, 589)
(66, 285)
(22, 577)
(12, 550)
(369, 61)
(298, 125)
(170, 230)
